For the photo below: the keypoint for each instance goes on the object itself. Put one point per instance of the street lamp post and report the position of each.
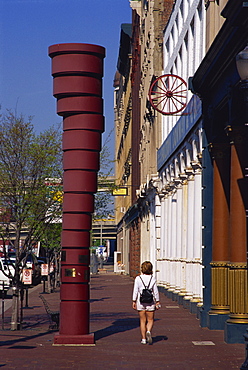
(242, 67)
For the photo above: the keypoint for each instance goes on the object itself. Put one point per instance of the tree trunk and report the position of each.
(49, 280)
(15, 317)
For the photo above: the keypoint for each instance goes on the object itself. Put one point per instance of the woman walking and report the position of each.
(146, 310)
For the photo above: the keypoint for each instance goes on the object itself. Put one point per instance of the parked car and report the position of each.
(41, 260)
(9, 266)
(5, 271)
(12, 255)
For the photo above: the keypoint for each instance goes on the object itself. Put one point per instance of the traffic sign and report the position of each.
(27, 276)
(44, 269)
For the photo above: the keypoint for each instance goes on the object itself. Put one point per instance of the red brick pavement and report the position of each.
(117, 336)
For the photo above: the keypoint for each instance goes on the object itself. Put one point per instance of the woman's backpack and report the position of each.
(146, 295)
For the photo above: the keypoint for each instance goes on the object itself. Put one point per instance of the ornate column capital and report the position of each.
(218, 150)
(236, 133)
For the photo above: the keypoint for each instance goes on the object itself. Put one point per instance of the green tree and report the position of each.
(30, 176)
(51, 245)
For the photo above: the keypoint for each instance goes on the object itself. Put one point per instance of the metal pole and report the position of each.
(26, 296)
(3, 294)
(44, 285)
(21, 309)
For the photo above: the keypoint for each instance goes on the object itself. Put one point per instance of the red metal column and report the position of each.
(220, 246)
(238, 233)
(238, 279)
(77, 70)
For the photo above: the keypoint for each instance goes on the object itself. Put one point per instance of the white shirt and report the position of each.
(139, 286)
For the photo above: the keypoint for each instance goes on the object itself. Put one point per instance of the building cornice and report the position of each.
(231, 38)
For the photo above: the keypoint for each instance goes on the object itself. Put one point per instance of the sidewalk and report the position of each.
(178, 341)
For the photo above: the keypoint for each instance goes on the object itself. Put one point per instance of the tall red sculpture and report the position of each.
(77, 71)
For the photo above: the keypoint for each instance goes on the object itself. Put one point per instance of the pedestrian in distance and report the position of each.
(146, 300)
(101, 259)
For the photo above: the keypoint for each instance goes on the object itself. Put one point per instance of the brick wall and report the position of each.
(135, 248)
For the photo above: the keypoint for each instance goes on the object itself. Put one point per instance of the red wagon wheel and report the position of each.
(168, 94)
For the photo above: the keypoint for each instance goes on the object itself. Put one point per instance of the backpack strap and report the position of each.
(147, 287)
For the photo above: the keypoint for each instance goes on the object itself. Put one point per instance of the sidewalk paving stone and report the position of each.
(178, 340)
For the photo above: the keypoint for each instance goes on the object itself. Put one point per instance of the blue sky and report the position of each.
(29, 27)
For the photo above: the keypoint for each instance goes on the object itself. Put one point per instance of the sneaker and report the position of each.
(143, 341)
(149, 337)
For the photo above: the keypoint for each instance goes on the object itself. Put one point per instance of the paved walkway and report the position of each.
(178, 341)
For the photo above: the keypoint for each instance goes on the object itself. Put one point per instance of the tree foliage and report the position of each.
(30, 189)
(30, 176)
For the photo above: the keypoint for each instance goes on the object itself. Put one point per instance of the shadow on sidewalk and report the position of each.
(121, 325)
(118, 326)
(99, 299)
(159, 338)
(17, 342)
